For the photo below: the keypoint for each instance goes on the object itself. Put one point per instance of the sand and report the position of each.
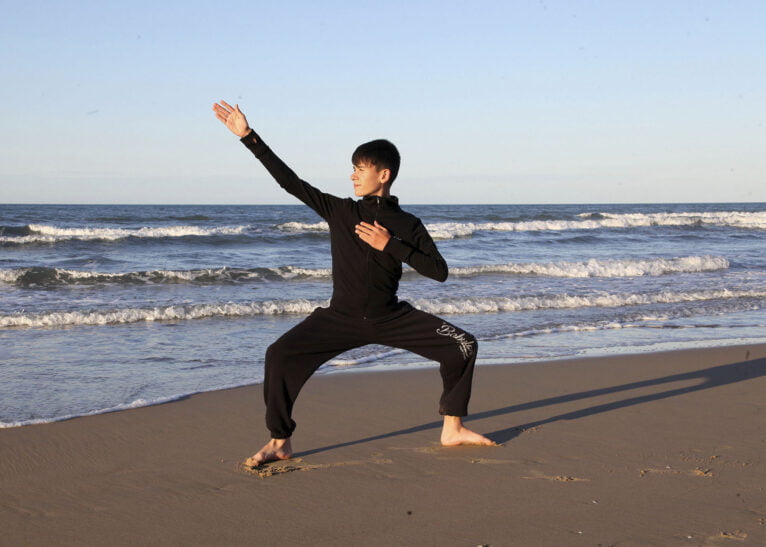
(651, 449)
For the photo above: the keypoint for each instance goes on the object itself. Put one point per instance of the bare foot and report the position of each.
(454, 433)
(275, 449)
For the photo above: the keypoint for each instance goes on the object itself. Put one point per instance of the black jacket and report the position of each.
(365, 280)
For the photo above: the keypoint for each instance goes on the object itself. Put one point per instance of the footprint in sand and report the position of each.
(737, 535)
(697, 472)
(557, 478)
(296, 464)
(702, 472)
(487, 461)
(450, 453)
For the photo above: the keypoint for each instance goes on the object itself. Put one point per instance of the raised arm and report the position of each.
(233, 118)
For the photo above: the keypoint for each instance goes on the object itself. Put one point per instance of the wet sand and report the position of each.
(651, 449)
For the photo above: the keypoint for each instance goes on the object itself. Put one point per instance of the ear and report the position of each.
(385, 175)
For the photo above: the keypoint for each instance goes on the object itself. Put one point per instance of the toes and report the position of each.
(253, 461)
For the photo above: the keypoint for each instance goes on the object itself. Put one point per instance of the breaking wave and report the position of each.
(40, 233)
(165, 313)
(566, 301)
(587, 221)
(736, 219)
(603, 268)
(595, 221)
(47, 277)
(439, 306)
(300, 227)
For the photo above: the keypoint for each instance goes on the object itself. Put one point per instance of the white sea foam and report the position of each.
(439, 306)
(138, 403)
(589, 221)
(10, 276)
(602, 268)
(299, 227)
(737, 219)
(595, 221)
(291, 272)
(167, 313)
(566, 301)
(51, 234)
(590, 268)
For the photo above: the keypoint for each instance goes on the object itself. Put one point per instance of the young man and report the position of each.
(370, 238)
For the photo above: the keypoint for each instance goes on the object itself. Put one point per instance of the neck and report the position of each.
(382, 193)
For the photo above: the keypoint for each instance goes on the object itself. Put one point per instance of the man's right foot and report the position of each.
(274, 450)
(454, 433)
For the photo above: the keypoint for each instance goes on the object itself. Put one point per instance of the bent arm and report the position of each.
(422, 255)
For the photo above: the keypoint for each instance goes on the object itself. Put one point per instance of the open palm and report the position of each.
(232, 117)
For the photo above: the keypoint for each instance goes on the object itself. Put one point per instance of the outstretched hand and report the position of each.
(232, 117)
(375, 235)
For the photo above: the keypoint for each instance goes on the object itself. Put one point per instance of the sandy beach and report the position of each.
(650, 449)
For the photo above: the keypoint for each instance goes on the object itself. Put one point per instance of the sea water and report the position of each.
(104, 307)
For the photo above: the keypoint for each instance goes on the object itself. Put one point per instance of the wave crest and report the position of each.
(167, 313)
(595, 221)
(564, 301)
(40, 233)
(439, 306)
(603, 268)
(301, 227)
(48, 277)
(736, 219)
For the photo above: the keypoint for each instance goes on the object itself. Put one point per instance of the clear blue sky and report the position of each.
(488, 102)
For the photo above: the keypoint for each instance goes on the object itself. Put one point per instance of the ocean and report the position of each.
(107, 307)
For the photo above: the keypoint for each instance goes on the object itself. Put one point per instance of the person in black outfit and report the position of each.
(370, 239)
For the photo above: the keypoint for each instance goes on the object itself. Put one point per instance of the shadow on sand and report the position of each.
(706, 379)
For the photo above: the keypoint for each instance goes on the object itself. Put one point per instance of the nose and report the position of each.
(353, 176)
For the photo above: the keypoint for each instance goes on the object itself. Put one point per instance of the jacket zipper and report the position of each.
(369, 255)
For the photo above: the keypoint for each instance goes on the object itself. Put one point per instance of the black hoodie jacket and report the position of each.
(365, 280)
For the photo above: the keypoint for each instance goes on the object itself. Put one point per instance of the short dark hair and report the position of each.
(380, 153)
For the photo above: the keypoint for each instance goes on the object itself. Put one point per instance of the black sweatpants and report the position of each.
(294, 357)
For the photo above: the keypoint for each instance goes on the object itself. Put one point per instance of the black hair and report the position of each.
(380, 153)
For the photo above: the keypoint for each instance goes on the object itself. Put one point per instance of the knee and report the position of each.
(275, 354)
(473, 343)
(468, 346)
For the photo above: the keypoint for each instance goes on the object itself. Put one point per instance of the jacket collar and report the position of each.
(390, 201)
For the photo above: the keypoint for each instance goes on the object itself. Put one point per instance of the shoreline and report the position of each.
(330, 370)
(659, 448)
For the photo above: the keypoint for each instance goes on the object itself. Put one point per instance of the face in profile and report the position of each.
(368, 180)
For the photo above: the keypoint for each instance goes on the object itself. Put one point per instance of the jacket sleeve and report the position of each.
(319, 201)
(421, 254)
